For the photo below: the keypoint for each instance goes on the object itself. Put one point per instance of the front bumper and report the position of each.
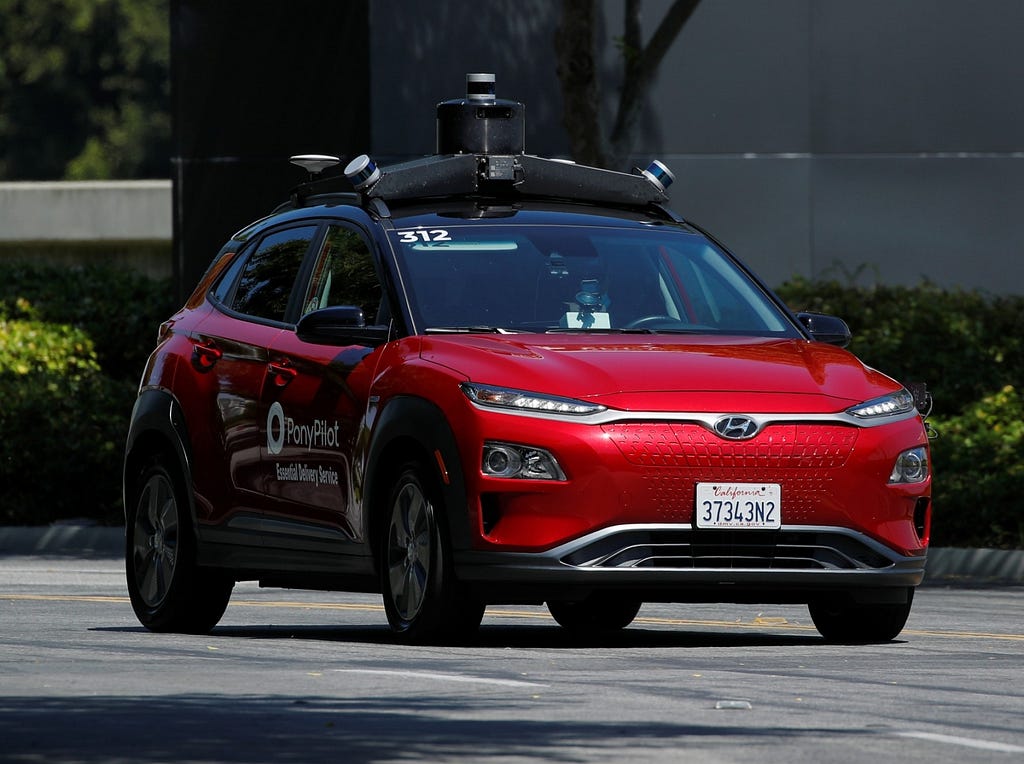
(670, 563)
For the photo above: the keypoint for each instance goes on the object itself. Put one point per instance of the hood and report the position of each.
(653, 373)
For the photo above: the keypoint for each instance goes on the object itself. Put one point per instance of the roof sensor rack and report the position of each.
(481, 151)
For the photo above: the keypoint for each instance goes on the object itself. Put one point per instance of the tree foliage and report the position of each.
(84, 88)
(576, 50)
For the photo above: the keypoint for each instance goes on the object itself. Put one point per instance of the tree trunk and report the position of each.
(575, 53)
(577, 72)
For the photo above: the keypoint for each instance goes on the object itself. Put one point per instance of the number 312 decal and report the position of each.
(412, 237)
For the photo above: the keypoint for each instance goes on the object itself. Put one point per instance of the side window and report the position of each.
(269, 273)
(344, 274)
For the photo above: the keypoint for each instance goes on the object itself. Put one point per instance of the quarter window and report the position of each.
(267, 279)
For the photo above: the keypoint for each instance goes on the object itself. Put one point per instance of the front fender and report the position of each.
(414, 427)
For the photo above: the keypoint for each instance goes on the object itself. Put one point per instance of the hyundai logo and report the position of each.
(736, 427)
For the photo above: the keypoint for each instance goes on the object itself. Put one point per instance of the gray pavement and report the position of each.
(946, 565)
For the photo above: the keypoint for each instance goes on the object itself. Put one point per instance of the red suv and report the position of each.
(486, 377)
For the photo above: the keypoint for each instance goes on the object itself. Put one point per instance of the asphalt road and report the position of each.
(312, 676)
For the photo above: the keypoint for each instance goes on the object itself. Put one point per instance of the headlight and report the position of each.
(888, 405)
(507, 460)
(911, 466)
(519, 400)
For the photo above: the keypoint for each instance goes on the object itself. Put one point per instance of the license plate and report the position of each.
(739, 505)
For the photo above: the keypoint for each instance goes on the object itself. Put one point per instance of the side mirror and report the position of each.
(340, 325)
(825, 328)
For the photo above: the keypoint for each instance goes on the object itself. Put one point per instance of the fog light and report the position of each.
(506, 460)
(911, 466)
(501, 461)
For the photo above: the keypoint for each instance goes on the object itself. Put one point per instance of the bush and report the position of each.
(120, 311)
(980, 475)
(72, 346)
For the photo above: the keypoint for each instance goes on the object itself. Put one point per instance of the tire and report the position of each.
(168, 590)
(851, 623)
(423, 600)
(595, 613)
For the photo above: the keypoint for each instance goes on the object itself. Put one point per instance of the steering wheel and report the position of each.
(640, 323)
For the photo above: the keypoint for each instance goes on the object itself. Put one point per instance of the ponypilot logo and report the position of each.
(283, 430)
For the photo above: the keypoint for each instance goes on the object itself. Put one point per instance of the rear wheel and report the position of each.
(595, 613)
(423, 600)
(168, 590)
(853, 623)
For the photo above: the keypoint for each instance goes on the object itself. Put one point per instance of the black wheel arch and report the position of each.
(415, 428)
(157, 426)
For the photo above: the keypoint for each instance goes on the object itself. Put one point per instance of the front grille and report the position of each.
(671, 458)
(736, 550)
(778, 446)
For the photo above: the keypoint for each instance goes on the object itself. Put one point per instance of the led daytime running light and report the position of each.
(889, 405)
(519, 400)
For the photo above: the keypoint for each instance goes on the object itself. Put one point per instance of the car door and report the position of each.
(316, 398)
(232, 348)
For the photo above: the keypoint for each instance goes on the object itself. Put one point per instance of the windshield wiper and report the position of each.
(468, 330)
(603, 330)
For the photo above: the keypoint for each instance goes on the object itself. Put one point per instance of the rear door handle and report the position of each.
(281, 372)
(205, 355)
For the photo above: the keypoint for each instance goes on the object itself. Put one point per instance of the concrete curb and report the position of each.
(947, 566)
(85, 541)
(950, 565)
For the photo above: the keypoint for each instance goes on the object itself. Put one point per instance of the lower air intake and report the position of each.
(689, 549)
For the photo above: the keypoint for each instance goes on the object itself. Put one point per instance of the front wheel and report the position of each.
(595, 613)
(423, 600)
(168, 590)
(852, 623)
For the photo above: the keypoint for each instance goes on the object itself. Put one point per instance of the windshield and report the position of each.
(484, 277)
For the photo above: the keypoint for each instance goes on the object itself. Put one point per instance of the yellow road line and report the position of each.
(757, 623)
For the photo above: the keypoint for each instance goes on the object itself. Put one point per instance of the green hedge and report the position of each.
(964, 344)
(73, 343)
(979, 468)
(969, 348)
(72, 346)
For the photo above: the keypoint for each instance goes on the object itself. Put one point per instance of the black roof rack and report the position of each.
(510, 175)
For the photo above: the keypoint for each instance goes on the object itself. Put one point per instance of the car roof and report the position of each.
(467, 210)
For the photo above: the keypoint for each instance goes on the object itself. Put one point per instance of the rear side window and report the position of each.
(268, 276)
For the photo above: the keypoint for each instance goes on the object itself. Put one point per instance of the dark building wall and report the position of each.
(252, 84)
(883, 138)
(877, 138)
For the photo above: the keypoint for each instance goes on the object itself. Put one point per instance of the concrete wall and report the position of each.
(124, 223)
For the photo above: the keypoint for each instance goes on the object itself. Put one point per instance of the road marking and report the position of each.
(984, 745)
(463, 678)
(63, 598)
(759, 623)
